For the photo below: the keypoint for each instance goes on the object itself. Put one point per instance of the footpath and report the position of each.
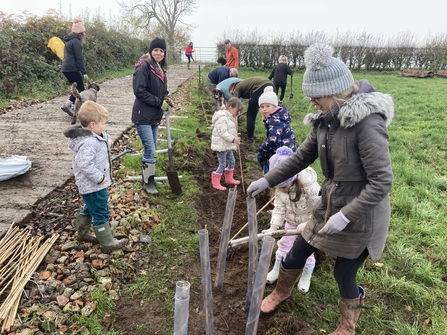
(36, 132)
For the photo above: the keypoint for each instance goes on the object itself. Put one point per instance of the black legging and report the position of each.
(75, 77)
(345, 270)
(283, 91)
(253, 108)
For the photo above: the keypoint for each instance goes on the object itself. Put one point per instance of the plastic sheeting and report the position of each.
(13, 166)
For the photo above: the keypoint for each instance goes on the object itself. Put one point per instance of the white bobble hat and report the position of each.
(268, 97)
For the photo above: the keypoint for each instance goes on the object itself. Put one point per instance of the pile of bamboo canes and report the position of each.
(20, 255)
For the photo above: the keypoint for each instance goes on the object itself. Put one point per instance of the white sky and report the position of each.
(270, 19)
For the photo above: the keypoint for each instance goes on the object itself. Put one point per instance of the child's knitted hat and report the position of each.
(281, 155)
(268, 97)
(325, 76)
(77, 26)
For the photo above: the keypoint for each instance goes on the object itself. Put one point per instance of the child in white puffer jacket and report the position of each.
(224, 140)
(294, 200)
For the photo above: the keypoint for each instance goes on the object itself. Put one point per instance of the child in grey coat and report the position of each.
(92, 168)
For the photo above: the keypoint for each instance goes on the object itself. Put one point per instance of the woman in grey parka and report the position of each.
(351, 221)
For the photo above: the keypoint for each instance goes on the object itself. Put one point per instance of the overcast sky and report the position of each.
(215, 18)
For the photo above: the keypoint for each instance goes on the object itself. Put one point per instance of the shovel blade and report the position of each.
(174, 182)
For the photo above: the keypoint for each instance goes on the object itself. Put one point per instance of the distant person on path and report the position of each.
(217, 75)
(73, 66)
(92, 168)
(250, 88)
(221, 61)
(150, 87)
(294, 200)
(349, 135)
(279, 132)
(188, 53)
(224, 140)
(232, 55)
(279, 76)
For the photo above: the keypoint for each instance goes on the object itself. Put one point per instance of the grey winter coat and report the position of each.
(91, 158)
(352, 144)
(150, 86)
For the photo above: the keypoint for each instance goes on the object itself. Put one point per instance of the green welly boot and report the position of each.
(106, 239)
(83, 224)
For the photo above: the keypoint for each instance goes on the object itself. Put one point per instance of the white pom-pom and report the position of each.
(268, 89)
(318, 56)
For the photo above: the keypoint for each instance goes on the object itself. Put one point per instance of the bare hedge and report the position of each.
(26, 61)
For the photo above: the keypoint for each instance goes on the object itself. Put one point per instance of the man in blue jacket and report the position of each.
(217, 75)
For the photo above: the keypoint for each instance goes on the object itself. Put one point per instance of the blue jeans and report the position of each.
(96, 206)
(148, 135)
(223, 157)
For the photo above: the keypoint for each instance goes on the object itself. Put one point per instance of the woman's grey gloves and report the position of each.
(257, 187)
(335, 224)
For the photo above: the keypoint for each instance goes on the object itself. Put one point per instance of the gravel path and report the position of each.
(36, 132)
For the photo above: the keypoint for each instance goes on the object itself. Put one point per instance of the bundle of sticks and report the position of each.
(20, 255)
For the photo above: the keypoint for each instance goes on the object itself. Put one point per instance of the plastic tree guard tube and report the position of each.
(206, 282)
(181, 312)
(252, 248)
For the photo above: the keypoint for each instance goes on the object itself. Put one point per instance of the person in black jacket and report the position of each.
(73, 66)
(150, 88)
(279, 76)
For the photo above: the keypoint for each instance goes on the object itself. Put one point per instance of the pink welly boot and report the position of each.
(229, 178)
(215, 181)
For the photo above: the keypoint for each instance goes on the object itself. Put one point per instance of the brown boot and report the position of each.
(283, 290)
(349, 314)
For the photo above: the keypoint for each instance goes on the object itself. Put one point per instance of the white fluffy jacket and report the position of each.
(296, 212)
(224, 131)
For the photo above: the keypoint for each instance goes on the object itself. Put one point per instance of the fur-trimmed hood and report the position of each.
(148, 58)
(365, 102)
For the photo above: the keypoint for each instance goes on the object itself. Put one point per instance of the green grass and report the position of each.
(404, 286)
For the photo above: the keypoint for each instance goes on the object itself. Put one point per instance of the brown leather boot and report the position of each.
(349, 314)
(283, 290)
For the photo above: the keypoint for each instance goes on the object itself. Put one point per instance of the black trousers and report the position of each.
(345, 270)
(74, 77)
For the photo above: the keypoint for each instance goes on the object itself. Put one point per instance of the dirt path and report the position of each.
(36, 132)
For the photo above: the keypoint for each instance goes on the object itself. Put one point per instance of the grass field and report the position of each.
(405, 286)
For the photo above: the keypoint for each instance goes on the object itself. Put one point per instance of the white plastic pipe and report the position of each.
(252, 248)
(224, 238)
(181, 312)
(206, 282)
(268, 243)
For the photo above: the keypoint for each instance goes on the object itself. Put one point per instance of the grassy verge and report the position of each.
(405, 286)
(43, 91)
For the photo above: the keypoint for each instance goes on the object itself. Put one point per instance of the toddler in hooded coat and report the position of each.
(224, 140)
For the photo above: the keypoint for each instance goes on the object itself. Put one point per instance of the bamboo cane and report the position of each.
(240, 230)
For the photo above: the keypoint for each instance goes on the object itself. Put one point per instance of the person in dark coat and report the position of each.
(279, 76)
(150, 87)
(217, 75)
(351, 222)
(73, 66)
(250, 88)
